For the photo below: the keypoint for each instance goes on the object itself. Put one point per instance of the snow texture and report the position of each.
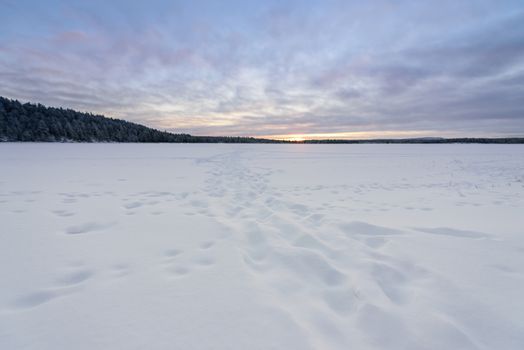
(174, 246)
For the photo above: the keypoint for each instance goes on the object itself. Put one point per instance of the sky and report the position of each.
(281, 69)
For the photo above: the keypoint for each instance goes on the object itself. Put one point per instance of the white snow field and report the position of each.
(209, 246)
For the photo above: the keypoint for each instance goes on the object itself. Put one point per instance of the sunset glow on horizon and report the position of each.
(350, 135)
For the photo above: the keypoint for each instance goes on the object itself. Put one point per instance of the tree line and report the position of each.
(432, 140)
(37, 123)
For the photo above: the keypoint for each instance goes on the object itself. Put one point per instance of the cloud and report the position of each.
(262, 68)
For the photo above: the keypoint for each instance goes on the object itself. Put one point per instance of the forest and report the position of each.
(29, 122)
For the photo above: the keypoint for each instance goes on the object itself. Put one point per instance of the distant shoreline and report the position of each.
(27, 122)
(494, 141)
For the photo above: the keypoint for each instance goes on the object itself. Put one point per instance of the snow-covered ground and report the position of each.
(133, 246)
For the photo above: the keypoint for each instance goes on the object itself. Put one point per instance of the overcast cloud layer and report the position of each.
(266, 68)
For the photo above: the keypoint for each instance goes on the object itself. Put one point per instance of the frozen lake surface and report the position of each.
(174, 246)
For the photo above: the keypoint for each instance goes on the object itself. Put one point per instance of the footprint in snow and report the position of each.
(75, 277)
(63, 213)
(207, 245)
(178, 271)
(120, 270)
(88, 227)
(65, 285)
(204, 261)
